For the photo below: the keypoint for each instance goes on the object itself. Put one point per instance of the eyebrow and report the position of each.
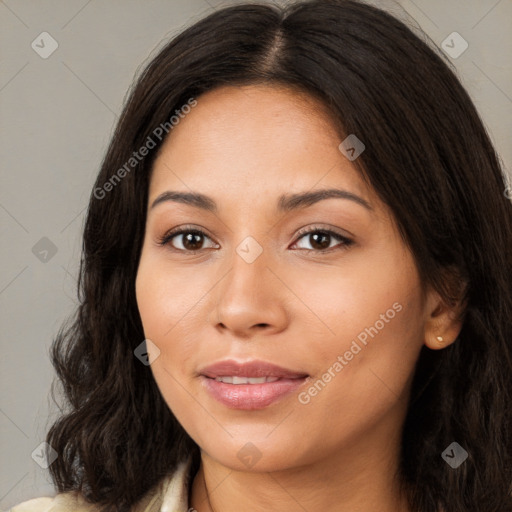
(286, 203)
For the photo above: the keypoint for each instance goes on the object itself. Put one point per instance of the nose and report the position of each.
(250, 299)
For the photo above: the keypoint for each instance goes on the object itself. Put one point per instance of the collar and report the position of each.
(176, 489)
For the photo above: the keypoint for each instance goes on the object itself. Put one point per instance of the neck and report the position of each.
(355, 478)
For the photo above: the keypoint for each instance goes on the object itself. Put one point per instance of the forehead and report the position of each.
(253, 141)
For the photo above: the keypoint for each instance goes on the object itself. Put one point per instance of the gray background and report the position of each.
(57, 115)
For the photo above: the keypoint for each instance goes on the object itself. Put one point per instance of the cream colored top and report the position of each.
(170, 496)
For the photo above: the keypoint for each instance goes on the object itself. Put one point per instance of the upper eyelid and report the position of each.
(298, 236)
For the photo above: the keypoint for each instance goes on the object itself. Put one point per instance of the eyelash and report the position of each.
(345, 242)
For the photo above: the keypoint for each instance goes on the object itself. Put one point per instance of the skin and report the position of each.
(245, 147)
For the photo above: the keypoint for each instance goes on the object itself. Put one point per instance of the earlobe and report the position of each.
(443, 323)
(439, 342)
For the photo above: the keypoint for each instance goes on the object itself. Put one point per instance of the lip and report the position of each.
(250, 396)
(249, 369)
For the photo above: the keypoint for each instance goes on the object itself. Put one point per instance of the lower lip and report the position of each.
(250, 396)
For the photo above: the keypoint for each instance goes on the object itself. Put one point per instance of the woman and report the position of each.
(295, 290)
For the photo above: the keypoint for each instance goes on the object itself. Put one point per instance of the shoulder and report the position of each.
(170, 495)
(35, 505)
(63, 502)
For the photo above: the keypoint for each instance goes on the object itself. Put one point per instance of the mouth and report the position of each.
(250, 385)
(233, 379)
(249, 370)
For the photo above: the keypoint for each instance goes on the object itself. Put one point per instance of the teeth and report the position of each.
(246, 380)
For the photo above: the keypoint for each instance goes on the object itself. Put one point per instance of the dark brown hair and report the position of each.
(428, 157)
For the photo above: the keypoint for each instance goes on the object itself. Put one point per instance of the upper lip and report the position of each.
(228, 368)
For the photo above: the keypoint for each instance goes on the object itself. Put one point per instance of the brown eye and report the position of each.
(192, 241)
(187, 240)
(320, 240)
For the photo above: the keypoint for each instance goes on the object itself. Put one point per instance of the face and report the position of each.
(324, 289)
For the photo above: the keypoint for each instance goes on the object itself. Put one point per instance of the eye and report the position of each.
(321, 239)
(192, 241)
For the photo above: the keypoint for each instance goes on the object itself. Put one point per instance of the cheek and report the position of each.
(375, 320)
(167, 296)
(170, 302)
(166, 300)
(376, 302)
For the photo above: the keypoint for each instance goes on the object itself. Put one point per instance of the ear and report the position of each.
(443, 321)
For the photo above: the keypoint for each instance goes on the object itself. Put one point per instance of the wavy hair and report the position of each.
(428, 157)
